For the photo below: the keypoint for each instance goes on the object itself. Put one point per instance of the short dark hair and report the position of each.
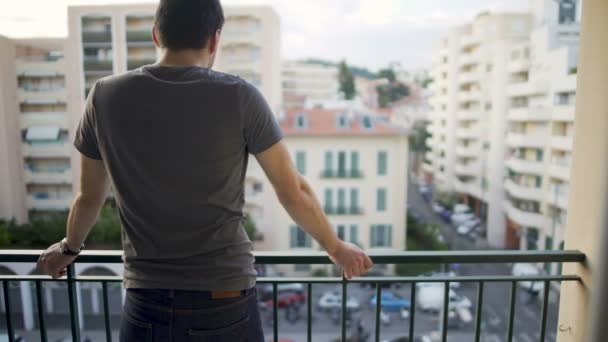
(187, 24)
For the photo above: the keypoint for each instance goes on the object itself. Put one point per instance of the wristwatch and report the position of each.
(65, 250)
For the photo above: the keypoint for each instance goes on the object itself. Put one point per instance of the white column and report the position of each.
(27, 304)
(95, 298)
(79, 304)
(587, 218)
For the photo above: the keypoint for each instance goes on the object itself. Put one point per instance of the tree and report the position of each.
(391, 92)
(250, 228)
(387, 73)
(419, 137)
(346, 80)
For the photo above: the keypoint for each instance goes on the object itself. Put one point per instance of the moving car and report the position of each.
(430, 299)
(333, 300)
(390, 301)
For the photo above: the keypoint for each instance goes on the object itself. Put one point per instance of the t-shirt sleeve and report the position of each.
(85, 139)
(260, 129)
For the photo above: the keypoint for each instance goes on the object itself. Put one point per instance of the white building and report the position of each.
(542, 76)
(357, 165)
(308, 81)
(468, 118)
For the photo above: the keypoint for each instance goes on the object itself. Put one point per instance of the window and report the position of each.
(354, 234)
(302, 268)
(301, 121)
(382, 163)
(348, 233)
(381, 235)
(299, 239)
(488, 106)
(341, 200)
(488, 67)
(301, 162)
(341, 231)
(539, 155)
(341, 121)
(367, 122)
(531, 239)
(329, 198)
(381, 199)
(538, 181)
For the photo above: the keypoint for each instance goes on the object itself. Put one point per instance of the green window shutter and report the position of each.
(390, 236)
(539, 181)
(382, 163)
(341, 198)
(328, 198)
(372, 235)
(341, 231)
(341, 163)
(307, 239)
(301, 162)
(293, 236)
(354, 199)
(539, 155)
(329, 160)
(354, 234)
(354, 162)
(381, 199)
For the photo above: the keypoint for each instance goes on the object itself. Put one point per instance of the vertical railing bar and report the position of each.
(41, 325)
(344, 308)
(479, 311)
(543, 320)
(378, 310)
(446, 300)
(512, 311)
(412, 310)
(106, 310)
(73, 303)
(275, 314)
(309, 312)
(7, 309)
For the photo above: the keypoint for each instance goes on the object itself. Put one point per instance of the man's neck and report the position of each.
(200, 58)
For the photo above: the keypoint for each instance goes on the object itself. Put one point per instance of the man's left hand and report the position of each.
(53, 262)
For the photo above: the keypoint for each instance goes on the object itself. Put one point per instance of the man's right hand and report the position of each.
(351, 258)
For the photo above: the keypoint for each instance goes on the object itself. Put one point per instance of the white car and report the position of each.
(458, 219)
(296, 287)
(333, 300)
(468, 226)
(385, 318)
(523, 270)
(453, 284)
(437, 208)
(431, 299)
(404, 313)
(461, 209)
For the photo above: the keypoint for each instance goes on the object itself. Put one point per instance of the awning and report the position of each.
(36, 133)
(43, 101)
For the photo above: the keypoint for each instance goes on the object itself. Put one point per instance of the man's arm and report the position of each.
(298, 199)
(94, 186)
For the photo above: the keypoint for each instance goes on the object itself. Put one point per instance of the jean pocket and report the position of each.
(132, 329)
(229, 330)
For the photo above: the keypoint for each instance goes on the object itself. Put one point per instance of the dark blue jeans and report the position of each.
(155, 315)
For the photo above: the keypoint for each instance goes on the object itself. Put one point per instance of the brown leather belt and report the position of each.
(225, 294)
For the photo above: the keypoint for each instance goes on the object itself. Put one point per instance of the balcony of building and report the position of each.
(96, 37)
(561, 142)
(521, 165)
(524, 218)
(40, 67)
(529, 114)
(97, 64)
(528, 88)
(54, 95)
(468, 169)
(526, 192)
(341, 210)
(470, 185)
(469, 77)
(560, 168)
(469, 59)
(469, 132)
(139, 36)
(47, 149)
(469, 150)
(563, 113)
(473, 95)
(45, 201)
(58, 119)
(557, 195)
(469, 114)
(534, 139)
(48, 176)
(470, 40)
(519, 65)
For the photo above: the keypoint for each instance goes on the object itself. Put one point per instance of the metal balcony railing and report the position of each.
(277, 258)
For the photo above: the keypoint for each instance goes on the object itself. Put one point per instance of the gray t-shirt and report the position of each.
(175, 142)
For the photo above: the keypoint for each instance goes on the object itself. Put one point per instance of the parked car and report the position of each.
(376, 273)
(430, 299)
(437, 208)
(461, 209)
(333, 300)
(287, 298)
(458, 219)
(453, 284)
(424, 189)
(523, 269)
(390, 301)
(446, 215)
(295, 287)
(468, 226)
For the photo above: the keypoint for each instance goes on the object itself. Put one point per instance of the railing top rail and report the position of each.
(388, 257)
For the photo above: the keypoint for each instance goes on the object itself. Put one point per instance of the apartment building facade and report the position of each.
(357, 165)
(468, 119)
(304, 81)
(35, 142)
(541, 93)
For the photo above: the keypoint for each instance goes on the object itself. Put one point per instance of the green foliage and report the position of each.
(346, 80)
(426, 82)
(389, 93)
(421, 237)
(419, 137)
(319, 272)
(356, 71)
(387, 73)
(445, 198)
(250, 228)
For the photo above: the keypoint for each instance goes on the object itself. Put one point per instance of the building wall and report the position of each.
(316, 82)
(12, 189)
(368, 147)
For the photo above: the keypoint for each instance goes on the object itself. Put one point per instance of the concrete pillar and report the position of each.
(588, 203)
(27, 304)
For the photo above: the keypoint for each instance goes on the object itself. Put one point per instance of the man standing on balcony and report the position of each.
(174, 139)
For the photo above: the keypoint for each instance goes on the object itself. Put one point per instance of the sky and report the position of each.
(368, 33)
